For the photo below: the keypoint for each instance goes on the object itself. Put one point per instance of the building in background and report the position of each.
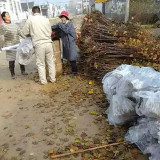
(96, 4)
(79, 7)
(85, 6)
(13, 7)
(55, 10)
(20, 10)
(82, 6)
(3, 5)
(44, 10)
(51, 10)
(48, 9)
(72, 6)
(113, 9)
(27, 8)
(58, 10)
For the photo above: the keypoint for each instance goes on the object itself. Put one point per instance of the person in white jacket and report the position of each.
(39, 28)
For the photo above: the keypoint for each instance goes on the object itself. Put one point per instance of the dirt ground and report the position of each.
(37, 122)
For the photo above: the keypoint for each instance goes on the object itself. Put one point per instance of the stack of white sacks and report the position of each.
(134, 96)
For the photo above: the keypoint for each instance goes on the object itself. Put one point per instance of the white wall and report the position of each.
(4, 6)
(58, 11)
(14, 9)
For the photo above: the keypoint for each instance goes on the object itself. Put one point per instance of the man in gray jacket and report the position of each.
(39, 28)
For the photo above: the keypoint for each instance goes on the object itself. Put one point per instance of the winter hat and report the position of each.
(65, 14)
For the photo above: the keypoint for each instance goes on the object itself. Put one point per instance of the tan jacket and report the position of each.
(39, 28)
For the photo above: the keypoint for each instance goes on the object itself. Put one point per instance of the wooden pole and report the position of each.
(87, 150)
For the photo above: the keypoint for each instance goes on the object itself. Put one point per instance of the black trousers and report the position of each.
(12, 66)
(73, 66)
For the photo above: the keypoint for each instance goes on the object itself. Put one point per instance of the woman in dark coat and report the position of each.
(68, 40)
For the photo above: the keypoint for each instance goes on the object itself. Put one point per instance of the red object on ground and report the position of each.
(64, 13)
(1, 21)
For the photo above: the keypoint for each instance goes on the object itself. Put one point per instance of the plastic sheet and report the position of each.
(121, 110)
(112, 80)
(134, 91)
(149, 103)
(154, 150)
(109, 85)
(141, 84)
(131, 78)
(25, 51)
(141, 135)
(124, 87)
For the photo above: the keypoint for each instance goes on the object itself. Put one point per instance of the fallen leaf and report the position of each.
(27, 126)
(92, 145)
(93, 113)
(13, 158)
(72, 150)
(50, 151)
(52, 155)
(70, 131)
(87, 156)
(135, 153)
(91, 91)
(95, 65)
(4, 150)
(83, 135)
(77, 140)
(91, 82)
(120, 139)
(6, 116)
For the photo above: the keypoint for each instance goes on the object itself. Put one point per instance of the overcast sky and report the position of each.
(58, 2)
